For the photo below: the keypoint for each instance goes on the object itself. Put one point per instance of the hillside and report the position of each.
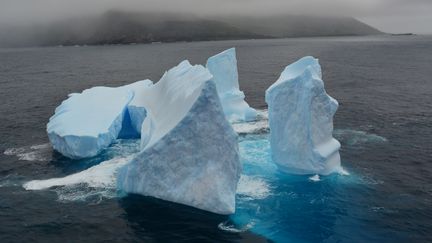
(116, 27)
(301, 26)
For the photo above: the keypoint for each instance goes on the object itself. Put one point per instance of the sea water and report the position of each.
(383, 86)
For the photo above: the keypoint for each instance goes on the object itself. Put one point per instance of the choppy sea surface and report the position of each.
(384, 123)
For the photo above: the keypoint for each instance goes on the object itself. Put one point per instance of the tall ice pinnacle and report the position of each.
(301, 121)
(223, 67)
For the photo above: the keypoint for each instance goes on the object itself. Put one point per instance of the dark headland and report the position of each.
(119, 27)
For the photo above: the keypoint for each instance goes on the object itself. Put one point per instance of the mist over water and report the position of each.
(383, 124)
(38, 21)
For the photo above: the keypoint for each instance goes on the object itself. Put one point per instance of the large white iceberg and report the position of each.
(190, 151)
(223, 67)
(90, 121)
(301, 121)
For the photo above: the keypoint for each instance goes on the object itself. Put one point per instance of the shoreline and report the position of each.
(213, 40)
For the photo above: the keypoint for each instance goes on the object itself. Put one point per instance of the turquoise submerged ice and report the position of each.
(223, 67)
(90, 121)
(189, 150)
(301, 121)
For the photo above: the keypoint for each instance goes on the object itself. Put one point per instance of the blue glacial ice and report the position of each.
(189, 150)
(88, 122)
(301, 121)
(223, 67)
(136, 112)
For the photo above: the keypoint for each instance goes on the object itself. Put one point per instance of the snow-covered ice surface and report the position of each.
(90, 121)
(223, 67)
(190, 151)
(301, 121)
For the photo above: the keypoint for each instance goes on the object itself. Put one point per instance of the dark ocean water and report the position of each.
(384, 122)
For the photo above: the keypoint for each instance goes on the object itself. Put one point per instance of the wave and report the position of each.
(227, 226)
(253, 187)
(355, 137)
(102, 175)
(39, 152)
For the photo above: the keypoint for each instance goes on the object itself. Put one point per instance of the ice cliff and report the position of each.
(90, 121)
(189, 150)
(301, 121)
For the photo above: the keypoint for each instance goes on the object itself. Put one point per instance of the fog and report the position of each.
(386, 15)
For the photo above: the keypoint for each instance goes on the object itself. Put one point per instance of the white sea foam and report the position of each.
(260, 125)
(226, 226)
(355, 137)
(343, 172)
(315, 178)
(83, 193)
(262, 114)
(41, 146)
(14, 151)
(253, 187)
(39, 152)
(251, 127)
(102, 175)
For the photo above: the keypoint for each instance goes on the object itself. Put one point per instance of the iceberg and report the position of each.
(189, 150)
(301, 121)
(223, 67)
(90, 121)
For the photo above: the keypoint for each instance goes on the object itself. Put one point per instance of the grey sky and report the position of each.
(387, 15)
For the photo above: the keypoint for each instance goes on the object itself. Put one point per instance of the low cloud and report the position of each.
(394, 15)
